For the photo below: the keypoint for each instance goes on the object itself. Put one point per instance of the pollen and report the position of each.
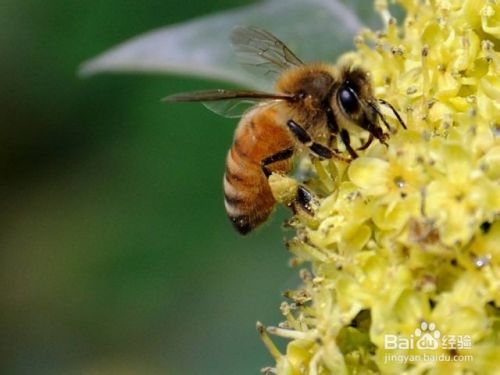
(284, 188)
(407, 233)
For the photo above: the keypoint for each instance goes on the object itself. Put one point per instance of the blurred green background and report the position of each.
(116, 254)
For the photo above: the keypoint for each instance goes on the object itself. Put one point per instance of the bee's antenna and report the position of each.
(380, 114)
(386, 103)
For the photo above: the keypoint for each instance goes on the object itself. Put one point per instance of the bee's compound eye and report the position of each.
(348, 100)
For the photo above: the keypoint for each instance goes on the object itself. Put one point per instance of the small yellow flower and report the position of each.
(408, 235)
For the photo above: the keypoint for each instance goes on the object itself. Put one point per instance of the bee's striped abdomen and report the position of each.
(247, 196)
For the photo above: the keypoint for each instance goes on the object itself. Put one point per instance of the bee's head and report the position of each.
(353, 98)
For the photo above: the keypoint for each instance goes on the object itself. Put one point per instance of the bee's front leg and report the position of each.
(346, 139)
(367, 143)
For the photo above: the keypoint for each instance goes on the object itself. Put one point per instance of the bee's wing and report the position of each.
(230, 108)
(259, 49)
(227, 103)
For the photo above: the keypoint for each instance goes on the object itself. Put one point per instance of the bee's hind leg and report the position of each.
(304, 199)
(285, 154)
(287, 190)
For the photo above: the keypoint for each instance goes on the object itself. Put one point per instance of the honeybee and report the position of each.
(312, 104)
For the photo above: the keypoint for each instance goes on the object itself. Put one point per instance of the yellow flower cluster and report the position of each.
(405, 240)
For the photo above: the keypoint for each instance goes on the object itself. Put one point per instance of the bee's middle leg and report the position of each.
(316, 148)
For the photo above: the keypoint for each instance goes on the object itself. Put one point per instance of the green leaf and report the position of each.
(317, 30)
